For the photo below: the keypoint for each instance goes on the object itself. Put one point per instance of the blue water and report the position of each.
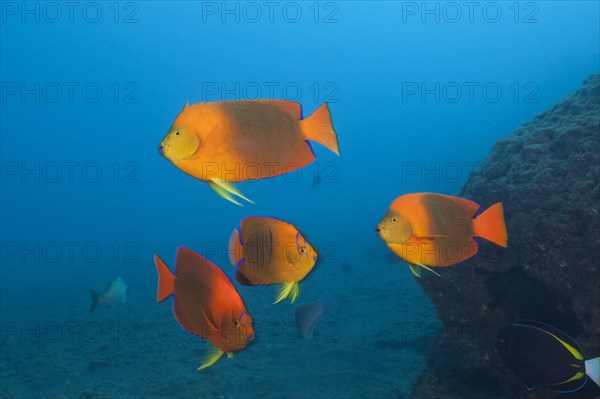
(418, 99)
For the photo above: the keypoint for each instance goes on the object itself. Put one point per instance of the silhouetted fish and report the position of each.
(309, 314)
(544, 356)
(116, 293)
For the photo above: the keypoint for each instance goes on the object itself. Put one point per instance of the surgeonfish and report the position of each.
(232, 141)
(434, 230)
(544, 356)
(205, 303)
(116, 293)
(266, 251)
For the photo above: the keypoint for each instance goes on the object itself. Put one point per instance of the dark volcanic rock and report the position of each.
(547, 174)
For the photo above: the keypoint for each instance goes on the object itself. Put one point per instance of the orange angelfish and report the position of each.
(205, 303)
(232, 141)
(434, 230)
(271, 251)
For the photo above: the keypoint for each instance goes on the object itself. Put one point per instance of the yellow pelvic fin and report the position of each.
(227, 191)
(287, 289)
(418, 274)
(415, 270)
(211, 358)
(229, 355)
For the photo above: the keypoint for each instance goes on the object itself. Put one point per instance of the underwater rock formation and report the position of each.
(547, 174)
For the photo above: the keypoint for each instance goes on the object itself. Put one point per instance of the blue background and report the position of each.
(362, 60)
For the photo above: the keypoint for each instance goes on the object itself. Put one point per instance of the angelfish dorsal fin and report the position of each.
(187, 105)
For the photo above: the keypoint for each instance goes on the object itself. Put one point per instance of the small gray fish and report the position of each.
(309, 314)
(115, 294)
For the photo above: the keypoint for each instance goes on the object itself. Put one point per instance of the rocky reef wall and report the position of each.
(547, 174)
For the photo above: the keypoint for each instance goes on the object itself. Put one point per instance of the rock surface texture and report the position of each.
(547, 174)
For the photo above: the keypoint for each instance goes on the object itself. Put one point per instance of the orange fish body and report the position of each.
(270, 251)
(233, 141)
(437, 230)
(205, 302)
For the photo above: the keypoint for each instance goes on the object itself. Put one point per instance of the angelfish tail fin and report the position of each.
(318, 127)
(235, 248)
(287, 289)
(211, 358)
(592, 369)
(490, 225)
(228, 191)
(166, 280)
(96, 300)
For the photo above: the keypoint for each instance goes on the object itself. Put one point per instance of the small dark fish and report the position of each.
(544, 356)
(309, 314)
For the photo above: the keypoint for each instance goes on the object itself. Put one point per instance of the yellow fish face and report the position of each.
(179, 144)
(301, 255)
(394, 228)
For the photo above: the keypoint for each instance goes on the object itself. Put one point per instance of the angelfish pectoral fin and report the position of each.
(227, 191)
(287, 289)
(416, 269)
(211, 358)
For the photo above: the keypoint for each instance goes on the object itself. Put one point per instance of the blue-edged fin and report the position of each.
(416, 269)
(211, 358)
(228, 191)
(592, 369)
(287, 289)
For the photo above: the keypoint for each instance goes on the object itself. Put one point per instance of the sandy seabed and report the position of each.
(373, 344)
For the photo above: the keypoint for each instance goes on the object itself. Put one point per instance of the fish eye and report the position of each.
(394, 219)
(176, 133)
(236, 323)
(302, 250)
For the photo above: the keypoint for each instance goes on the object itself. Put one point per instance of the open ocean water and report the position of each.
(418, 92)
